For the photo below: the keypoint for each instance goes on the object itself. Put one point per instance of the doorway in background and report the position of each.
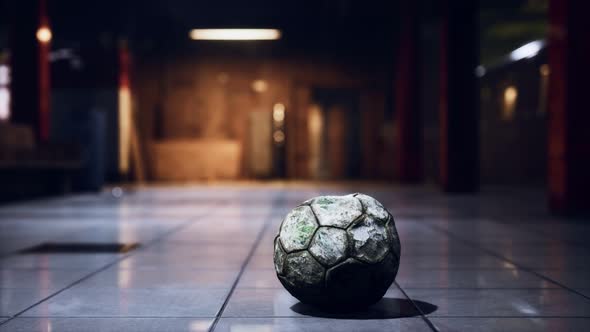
(335, 134)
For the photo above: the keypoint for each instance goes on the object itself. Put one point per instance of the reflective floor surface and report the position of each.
(496, 261)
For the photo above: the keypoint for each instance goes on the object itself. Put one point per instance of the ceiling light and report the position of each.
(44, 34)
(235, 34)
(527, 51)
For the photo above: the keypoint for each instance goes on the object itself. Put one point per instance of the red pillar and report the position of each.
(459, 97)
(44, 40)
(30, 46)
(568, 106)
(407, 95)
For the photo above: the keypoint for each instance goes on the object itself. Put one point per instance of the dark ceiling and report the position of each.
(320, 24)
(346, 27)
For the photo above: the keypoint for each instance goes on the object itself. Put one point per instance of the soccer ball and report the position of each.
(337, 252)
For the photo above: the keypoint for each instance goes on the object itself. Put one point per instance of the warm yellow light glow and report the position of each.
(259, 86)
(279, 136)
(510, 96)
(278, 112)
(235, 34)
(315, 126)
(44, 34)
(544, 69)
(124, 129)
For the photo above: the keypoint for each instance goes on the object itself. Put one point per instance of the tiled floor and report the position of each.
(496, 261)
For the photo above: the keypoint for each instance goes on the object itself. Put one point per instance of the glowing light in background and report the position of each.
(235, 34)
(544, 87)
(4, 75)
(124, 128)
(4, 92)
(510, 97)
(278, 136)
(117, 192)
(4, 104)
(124, 108)
(44, 34)
(315, 127)
(480, 71)
(544, 70)
(259, 86)
(278, 113)
(527, 51)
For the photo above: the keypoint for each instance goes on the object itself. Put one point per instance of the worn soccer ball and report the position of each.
(337, 252)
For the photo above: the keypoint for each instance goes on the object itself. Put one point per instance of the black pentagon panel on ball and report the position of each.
(279, 256)
(329, 245)
(393, 237)
(337, 211)
(351, 284)
(369, 240)
(385, 271)
(338, 252)
(298, 228)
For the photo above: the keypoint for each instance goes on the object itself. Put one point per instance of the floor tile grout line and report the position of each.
(500, 256)
(111, 317)
(157, 239)
(422, 315)
(264, 229)
(486, 288)
(510, 316)
(420, 318)
(543, 234)
(291, 317)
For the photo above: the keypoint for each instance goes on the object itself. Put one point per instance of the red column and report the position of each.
(459, 97)
(407, 95)
(44, 40)
(569, 113)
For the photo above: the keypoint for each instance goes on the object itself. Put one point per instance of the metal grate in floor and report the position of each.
(79, 248)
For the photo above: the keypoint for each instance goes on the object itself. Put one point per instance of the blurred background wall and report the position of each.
(452, 93)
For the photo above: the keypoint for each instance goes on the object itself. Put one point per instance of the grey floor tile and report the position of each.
(188, 249)
(259, 278)
(584, 291)
(70, 324)
(312, 324)
(260, 303)
(131, 303)
(164, 278)
(469, 278)
(503, 302)
(578, 279)
(58, 261)
(552, 262)
(446, 267)
(533, 324)
(171, 261)
(261, 262)
(52, 279)
(278, 302)
(550, 248)
(12, 301)
(475, 261)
